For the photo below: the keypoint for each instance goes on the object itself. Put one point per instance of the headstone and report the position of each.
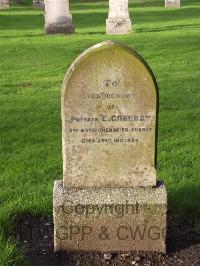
(38, 3)
(109, 199)
(118, 21)
(172, 3)
(4, 4)
(109, 121)
(57, 17)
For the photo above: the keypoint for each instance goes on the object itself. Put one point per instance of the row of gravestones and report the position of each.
(168, 3)
(58, 18)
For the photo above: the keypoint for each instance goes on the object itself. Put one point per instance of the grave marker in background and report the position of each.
(172, 3)
(57, 17)
(118, 21)
(38, 3)
(4, 4)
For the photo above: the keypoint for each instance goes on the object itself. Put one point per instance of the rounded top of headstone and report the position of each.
(109, 119)
(103, 46)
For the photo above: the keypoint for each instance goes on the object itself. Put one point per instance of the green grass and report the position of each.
(10, 253)
(32, 70)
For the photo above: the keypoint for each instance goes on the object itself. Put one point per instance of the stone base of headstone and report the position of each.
(172, 3)
(64, 27)
(38, 4)
(110, 219)
(118, 26)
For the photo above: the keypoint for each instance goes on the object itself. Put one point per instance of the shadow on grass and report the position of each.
(169, 28)
(21, 22)
(93, 21)
(163, 15)
(180, 233)
(24, 36)
(185, 198)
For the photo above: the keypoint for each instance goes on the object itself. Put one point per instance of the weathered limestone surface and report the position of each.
(109, 119)
(172, 3)
(4, 4)
(110, 219)
(57, 17)
(118, 21)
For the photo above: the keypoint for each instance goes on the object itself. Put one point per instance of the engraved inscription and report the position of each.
(103, 118)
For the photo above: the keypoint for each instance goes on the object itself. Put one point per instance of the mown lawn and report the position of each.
(32, 70)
